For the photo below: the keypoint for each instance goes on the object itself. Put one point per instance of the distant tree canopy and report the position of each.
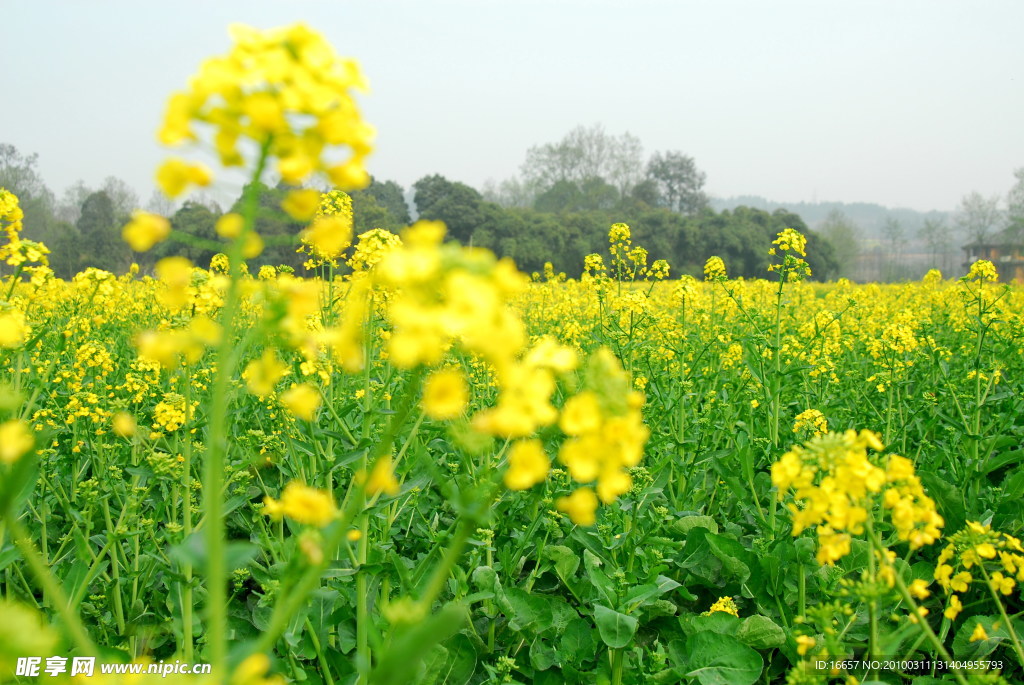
(560, 211)
(562, 230)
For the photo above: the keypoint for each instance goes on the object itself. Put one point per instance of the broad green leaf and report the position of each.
(616, 629)
(401, 660)
(963, 648)
(760, 632)
(687, 523)
(542, 655)
(452, 663)
(577, 641)
(642, 594)
(528, 611)
(598, 578)
(565, 561)
(715, 659)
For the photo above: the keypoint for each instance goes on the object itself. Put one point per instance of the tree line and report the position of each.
(559, 210)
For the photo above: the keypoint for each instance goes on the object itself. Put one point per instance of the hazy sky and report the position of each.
(901, 103)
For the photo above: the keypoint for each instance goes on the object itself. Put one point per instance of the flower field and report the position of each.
(416, 464)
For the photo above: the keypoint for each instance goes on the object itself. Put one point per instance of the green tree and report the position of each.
(459, 206)
(100, 233)
(679, 182)
(18, 174)
(368, 213)
(389, 195)
(583, 154)
(279, 231)
(197, 223)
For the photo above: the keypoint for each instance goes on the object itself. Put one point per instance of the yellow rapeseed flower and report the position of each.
(382, 478)
(328, 236)
(16, 440)
(124, 424)
(301, 205)
(175, 175)
(714, 269)
(919, 588)
(302, 504)
(581, 506)
(230, 225)
(979, 633)
(954, 608)
(302, 400)
(145, 230)
(261, 375)
(13, 329)
(445, 394)
(725, 605)
(527, 465)
(982, 270)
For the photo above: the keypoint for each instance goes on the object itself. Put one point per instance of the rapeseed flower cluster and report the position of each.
(14, 329)
(982, 270)
(16, 251)
(790, 242)
(725, 605)
(370, 248)
(978, 554)
(283, 92)
(10, 215)
(437, 296)
(714, 269)
(837, 486)
(331, 230)
(145, 230)
(302, 504)
(606, 435)
(810, 420)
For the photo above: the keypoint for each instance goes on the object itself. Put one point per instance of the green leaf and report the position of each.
(452, 663)
(1013, 486)
(410, 644)
(715, 560)
(565, 561)
(598, 578)
(998, 461)
(616, 629)
(577, 641)
(643, 594)
(542, 655)
(949, 501)
(717, 622)
(529, 611)
(687, 523)
(18, 484)
(715, 659)
(760, 632)
(963, 648)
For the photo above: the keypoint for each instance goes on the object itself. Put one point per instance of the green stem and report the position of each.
(1006, 619)
(904, 592)
(616, 659)
(51, 588)
(216, 457)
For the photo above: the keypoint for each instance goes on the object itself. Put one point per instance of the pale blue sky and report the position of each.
(902, 103)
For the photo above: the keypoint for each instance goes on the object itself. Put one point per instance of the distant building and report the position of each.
(1000, 249)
